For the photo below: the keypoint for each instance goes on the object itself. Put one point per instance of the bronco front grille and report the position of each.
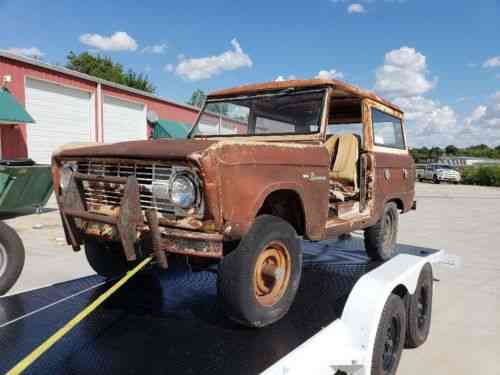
(109, 195)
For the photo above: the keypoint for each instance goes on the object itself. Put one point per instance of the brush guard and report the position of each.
(127, 223)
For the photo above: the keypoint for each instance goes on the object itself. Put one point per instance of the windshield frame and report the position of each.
(283, 92)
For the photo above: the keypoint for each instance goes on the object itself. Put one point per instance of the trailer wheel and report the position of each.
(380, 239)
(11, 257)
(420, 310)
(105, 258)
(259, 279)
(390, 337)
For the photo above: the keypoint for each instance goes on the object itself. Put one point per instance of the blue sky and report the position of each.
(440, 60)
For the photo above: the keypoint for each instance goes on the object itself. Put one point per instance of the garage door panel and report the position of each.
(123, 120)
(62, 114)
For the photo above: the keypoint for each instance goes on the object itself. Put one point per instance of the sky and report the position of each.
(438, 60)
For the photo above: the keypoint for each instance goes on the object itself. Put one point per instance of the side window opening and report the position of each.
(345, 118)
(387, 130)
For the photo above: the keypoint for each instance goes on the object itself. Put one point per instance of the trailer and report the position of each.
(346, 319)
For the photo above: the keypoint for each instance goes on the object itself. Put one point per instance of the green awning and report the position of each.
(170, 129)
(11, 112)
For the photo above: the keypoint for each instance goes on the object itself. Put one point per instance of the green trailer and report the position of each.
(24, 187)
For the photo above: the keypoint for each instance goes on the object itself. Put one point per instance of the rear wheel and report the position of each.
(390, 337)
(420, 309)
(11, 257)
(259, 279)
(381, 238)
(106, 258)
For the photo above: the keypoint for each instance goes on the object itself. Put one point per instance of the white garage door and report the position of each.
(63, 115)
(123, 120)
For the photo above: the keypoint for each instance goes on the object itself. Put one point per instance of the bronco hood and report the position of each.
(164, 149)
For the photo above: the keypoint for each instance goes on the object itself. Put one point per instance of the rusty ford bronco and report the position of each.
(263, 166)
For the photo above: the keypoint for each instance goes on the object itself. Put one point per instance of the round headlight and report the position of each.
(182, 191)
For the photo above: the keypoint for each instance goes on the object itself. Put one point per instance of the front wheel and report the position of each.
(381, 238)
(258, 281)
(11, 257)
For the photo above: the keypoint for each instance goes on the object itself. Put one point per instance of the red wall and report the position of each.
(14, 138)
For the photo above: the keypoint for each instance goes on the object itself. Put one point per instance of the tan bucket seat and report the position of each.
(344, 153)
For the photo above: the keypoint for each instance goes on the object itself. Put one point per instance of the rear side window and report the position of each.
(387, 130)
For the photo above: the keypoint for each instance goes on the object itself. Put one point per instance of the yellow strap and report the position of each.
(47, 344)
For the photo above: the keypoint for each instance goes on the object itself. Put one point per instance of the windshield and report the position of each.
(279, 113)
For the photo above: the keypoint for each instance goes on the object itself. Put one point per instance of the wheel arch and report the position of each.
(286, 203)
(399, 203)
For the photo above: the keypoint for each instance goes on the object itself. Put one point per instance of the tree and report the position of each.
(436, 152)
(197, 98)
(451, 150)
(103, 67)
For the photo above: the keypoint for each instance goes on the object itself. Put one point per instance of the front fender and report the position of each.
(248, 173)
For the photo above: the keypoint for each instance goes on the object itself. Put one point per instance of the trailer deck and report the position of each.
(170, 321)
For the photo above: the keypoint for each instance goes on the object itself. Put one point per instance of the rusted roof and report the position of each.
(303, 83)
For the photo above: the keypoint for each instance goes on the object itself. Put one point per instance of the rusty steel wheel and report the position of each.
(259, 279)
(272, 273)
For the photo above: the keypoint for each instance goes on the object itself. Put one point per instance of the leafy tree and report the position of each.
(198, 98)
(103, 67)
(451, 150)
(436, 152)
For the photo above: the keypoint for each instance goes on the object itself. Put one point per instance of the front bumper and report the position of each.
(131, 222)
(449, 178)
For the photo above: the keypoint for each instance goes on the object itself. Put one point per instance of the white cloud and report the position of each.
(33, 52)
(355, 8)
(486, 116)
(476, 115)
(330, 74)
(429, 122)
(493, 62)
(404, 74)
(119, 41)
(158, 49)
(281, 78)
(169, 68)
(195, 69)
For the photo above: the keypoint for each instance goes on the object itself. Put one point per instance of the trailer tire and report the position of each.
(105, 258)
(247, 292)
(390, 337)
(420, 309)
(381, 238)
(12, 257)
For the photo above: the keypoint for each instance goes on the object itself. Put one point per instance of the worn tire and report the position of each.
(239, 276)
(420, 310)
(106, 258)
(378, 246)
(11, 257)
(390, 337)
(435, 179)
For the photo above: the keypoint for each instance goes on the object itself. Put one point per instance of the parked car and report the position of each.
(438, 173)
(263, 166)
